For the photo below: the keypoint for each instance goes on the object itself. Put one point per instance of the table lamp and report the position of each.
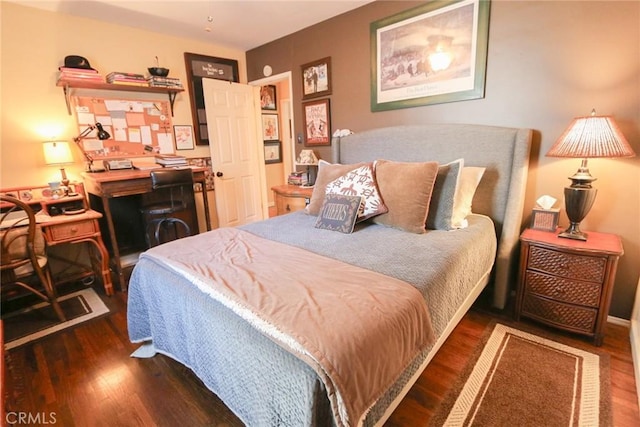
(587, 137)
(59, 153)
(308, 158)
(101, 134)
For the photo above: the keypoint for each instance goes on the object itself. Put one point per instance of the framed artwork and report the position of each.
(270, 131)
(317, 122)
(184, 137)
(316, 78)
(205, 67)
(432, 54)
(272, 152)
(268, 97)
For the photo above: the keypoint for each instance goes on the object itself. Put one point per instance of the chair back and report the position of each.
(167, 178)
(23, 252)
(174, 179)
(21, 241)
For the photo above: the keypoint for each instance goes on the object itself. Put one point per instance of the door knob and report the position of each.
(219, 174)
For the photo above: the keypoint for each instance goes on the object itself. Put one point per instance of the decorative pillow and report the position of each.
(406, 190)
(360, 182)
(327, 172)
(442, 199)
(339, 212)
(470, 177)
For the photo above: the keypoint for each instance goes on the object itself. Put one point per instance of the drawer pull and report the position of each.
(74, 229)
(288, 208)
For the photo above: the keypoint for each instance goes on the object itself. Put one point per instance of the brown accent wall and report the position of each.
(548, 62)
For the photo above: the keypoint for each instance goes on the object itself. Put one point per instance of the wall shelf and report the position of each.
(68, 85)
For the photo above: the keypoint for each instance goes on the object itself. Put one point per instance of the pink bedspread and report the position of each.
(356, 328)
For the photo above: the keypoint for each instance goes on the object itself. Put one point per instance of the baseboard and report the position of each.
(634, 336)
(619, 321)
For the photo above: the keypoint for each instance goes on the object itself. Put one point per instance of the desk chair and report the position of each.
(23, 253)
(175, 187)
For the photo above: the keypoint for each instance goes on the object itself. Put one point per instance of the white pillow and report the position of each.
(470, 177)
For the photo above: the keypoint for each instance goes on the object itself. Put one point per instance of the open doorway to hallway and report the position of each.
(276, 172)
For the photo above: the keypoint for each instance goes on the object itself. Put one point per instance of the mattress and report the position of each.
(260, 381)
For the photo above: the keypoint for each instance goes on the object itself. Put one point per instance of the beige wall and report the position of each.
(548, 62)
(34, 44)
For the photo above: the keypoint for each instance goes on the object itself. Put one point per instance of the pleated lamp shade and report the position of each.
(592, 136)
(587, 137)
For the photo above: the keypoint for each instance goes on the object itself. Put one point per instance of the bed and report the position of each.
(290, 324)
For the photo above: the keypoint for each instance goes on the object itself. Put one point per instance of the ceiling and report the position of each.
(239, 24)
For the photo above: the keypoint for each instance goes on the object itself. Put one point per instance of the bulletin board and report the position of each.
(137, 127)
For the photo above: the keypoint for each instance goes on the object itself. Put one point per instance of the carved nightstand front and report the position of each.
(568, 283)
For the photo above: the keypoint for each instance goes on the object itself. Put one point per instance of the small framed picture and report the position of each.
(272, 152)
(317, 122)
(184, 137)
(268, 97)
(316, 78)
(270, 131)
(545, 219)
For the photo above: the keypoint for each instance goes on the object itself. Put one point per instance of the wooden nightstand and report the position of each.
(568, 283)
(291, 198)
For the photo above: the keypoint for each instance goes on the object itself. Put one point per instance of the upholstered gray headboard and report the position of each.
(504, 152)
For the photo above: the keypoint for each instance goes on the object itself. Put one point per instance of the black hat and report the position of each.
(75, 61)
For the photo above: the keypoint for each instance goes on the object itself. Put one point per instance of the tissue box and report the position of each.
(545, 219)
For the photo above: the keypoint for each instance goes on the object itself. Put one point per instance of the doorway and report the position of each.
(277, 173)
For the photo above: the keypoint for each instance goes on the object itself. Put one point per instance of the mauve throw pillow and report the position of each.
(327, 172)
(406, 189)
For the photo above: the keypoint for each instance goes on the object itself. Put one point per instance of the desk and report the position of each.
(78, 228)
(115, 184)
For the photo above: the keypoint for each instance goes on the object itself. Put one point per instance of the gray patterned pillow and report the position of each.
(440, 215)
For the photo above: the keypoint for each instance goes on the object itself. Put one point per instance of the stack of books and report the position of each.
(297, 178)
(144, 166)
(79, 74)
(168, 82)
(171, 160)
(132, 79)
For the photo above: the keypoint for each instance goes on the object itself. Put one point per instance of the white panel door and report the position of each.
(236, 151)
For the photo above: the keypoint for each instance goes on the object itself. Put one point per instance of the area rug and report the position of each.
(37, 321)
(522, 379)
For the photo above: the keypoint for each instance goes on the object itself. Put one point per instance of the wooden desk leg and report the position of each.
(104, 265)
(104, 262)
(114, 243)
(206, 205)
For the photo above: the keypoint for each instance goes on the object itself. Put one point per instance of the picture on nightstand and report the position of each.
(545, 219)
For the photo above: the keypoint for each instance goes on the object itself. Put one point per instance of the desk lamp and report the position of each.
(587, 137)
(308, 158)
(101, 134)
(59, 153)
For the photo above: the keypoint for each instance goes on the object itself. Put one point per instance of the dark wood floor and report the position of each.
(85, 377)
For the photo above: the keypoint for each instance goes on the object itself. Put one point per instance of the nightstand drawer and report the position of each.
(568, 265)
(565, 290)
(579, 318)
(290, 204)
(72, 230)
